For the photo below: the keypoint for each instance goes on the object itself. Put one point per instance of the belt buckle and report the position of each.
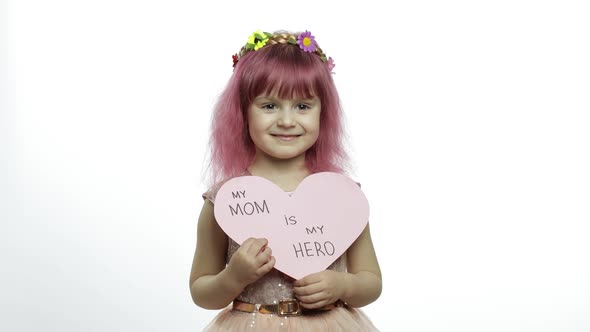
(289, 308)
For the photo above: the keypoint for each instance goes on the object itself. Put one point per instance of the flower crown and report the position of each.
(305, 40)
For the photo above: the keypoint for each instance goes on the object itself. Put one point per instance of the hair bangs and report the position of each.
(282, 71)
(290, 82)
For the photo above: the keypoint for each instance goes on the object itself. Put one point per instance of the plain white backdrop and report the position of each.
(469, 130)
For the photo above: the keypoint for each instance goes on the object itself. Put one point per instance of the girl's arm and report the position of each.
(212, 285)
(358, 287)
(364, 275)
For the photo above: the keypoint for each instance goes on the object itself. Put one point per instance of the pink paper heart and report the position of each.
(307, 230)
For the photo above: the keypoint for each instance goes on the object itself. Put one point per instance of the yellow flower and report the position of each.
(257, 40)
(260, 44)
(252, 38)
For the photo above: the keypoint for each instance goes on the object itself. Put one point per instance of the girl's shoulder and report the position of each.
(211, 192)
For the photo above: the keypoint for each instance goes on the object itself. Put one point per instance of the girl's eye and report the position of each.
(269, 107)
(303, 107)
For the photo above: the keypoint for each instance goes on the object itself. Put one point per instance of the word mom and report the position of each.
(248, 208)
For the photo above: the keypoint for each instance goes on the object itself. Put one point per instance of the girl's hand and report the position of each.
(250, 262)
(319, 289)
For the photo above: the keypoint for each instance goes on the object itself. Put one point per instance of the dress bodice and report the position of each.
(275, 285)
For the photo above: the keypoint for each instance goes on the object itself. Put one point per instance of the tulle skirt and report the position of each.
(337, 319)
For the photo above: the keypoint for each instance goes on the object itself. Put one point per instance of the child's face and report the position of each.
(284, 128)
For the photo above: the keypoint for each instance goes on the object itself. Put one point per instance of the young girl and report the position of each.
(279, 118)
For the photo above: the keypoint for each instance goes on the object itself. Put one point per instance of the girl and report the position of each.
(279, 118)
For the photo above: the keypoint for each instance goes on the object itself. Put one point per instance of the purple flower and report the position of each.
(331, 64)
(307, 42)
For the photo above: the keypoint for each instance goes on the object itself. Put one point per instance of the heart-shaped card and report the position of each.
(307, 229)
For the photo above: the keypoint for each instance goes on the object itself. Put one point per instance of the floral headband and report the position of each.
(305, 40)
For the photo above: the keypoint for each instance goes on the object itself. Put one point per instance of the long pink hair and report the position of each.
(288, 72)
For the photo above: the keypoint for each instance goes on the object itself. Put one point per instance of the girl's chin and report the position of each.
(284, 155)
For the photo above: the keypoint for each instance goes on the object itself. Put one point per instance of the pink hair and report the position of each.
(287, 72)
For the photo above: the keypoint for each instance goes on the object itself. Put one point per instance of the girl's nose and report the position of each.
(286, 119)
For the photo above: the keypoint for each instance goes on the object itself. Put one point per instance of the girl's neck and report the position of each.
(287, 174)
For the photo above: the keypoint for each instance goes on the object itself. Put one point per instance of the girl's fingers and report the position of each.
(310, 279)
(247, 244)
(256, 246)
(313, 299)
(307, 298)
(314, 305)
(265, 254)
(264, 269)
(308, 290)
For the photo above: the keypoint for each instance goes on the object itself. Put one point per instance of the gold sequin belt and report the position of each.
(289, 307)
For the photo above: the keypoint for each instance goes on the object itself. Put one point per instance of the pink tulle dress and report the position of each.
(276, 286)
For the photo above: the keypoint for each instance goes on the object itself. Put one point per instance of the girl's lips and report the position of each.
(286, 137)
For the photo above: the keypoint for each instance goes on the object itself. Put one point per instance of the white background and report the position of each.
(468, 123)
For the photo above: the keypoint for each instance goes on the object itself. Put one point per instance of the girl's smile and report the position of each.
(285, 137)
